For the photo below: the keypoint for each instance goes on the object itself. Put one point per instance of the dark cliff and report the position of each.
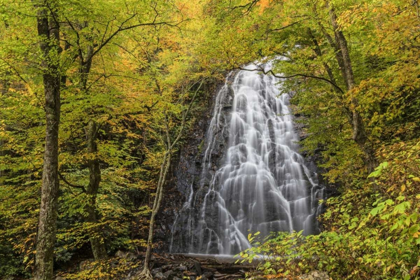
(186, 166)
(187, 169)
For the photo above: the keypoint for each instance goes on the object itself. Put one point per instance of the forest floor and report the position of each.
(177, 266)
(174, 267)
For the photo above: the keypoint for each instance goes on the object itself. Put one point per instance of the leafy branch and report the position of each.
(260, 69)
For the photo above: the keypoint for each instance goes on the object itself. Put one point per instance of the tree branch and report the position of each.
(121, 28)
(184, 117)
(294, 76)
(70, 184)
(249, 5)
(24, 81)
(79, 48)
(287, 26)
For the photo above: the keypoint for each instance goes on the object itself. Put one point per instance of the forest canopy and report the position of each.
(98, 97)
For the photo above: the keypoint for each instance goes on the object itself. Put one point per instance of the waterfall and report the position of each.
(253, 178)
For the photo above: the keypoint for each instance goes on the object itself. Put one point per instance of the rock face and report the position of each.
(189, 178)
(186, 168)
(314, 158)
(245, 172)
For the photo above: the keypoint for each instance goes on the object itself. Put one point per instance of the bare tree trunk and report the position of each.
(156, 205)
(359, 132)
(96, 238)
(48, 30)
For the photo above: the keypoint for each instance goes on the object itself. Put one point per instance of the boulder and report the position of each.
(315, 275)
(126, 255)
(182, 268)
(86, 264)
(168, 274)
(159, 275)
(156, 270)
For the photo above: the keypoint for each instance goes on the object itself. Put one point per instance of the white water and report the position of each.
(262, 184)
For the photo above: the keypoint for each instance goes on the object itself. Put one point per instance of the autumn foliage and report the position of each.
(132, 77)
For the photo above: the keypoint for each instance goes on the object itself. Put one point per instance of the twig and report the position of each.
(70, 184)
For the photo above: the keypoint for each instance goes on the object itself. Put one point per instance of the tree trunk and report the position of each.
(156, 205)
(318, 52)
(334, 45)
(96, 238)
(84, 68)
(95, 235)
(48, 30)
(4, 90)
(359, 132)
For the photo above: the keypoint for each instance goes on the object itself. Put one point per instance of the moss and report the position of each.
(200, 146)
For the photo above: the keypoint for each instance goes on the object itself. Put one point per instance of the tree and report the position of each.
(49, 33)
(352, 57)
(113, 87)
(70, 41)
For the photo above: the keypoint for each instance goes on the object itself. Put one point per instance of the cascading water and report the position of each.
(260, 184)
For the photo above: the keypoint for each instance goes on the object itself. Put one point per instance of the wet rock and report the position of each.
(190, 273)
(126, 255)
(315, 275)
(168, 274)
(198, 268)
(186, 169)
(156, 270)
(182, 268)
(189, 225)
(159, 275)
(207, 275)
(85, 265)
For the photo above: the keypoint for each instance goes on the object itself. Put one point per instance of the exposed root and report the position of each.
(145, 274)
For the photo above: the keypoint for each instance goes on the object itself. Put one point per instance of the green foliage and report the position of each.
(139, 85)
(143, 74)
(371, 232)
(113, 268)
